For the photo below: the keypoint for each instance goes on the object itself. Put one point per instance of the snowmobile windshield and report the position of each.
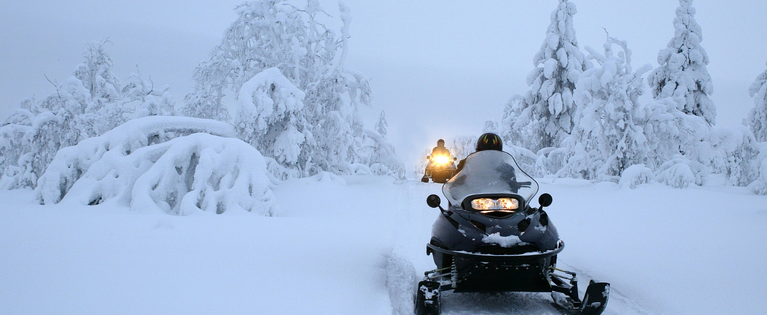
(487, 173)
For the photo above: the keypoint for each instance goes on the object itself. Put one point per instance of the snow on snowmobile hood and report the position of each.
(486, 173)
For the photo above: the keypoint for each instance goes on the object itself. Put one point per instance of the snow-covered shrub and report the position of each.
(113, 152)
(544, 115)
(315, 126)
(382, 157)
(550, 161)
(199, 172)
(682, 74)
(757, 116)
(607, 138)
(734, 153)
(635, 175)
(677, 172)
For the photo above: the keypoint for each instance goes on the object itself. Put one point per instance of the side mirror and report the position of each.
(433, 201)
(545, 200)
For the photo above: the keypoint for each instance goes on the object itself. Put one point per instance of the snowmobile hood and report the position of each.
(489, 172)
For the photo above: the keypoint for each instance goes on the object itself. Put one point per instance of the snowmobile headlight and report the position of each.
(486, 205)
(441, 159)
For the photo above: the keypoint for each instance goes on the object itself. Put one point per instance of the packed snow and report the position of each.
(356, 245)
(503, 241)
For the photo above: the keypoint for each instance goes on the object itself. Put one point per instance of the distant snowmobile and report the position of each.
(491, 240)
(439, 169)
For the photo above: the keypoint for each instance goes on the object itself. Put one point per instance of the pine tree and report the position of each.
(543, 117)
(757, 116)
(382, 125)
(682, 73)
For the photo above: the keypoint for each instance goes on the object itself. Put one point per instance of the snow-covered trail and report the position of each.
(356, 245)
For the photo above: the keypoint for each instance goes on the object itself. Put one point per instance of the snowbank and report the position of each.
(170, 164)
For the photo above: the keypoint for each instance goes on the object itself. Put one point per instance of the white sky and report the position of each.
(439, 68)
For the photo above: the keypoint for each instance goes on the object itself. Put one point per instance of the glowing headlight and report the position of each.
(490, 205)
(441, 159)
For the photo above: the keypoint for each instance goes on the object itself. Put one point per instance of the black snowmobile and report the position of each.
(491, 240)
(440, 168)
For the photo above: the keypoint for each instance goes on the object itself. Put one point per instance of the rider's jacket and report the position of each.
(440, 151)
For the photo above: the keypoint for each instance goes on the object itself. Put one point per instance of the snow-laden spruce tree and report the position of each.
(607, 137)
(89, 103)
(382, 125)
(315, 126)
(682, 73)
(757, 116)
(543, 117)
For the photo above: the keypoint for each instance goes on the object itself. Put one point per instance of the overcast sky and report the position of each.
(438, 68)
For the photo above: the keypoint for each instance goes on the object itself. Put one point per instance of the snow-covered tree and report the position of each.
(266, 34)
(757, 116)
(89, 103)
(673, 137)
(759, 186)
(144, 99)
(382, 125)
(607, 137)
(270, 117)
(321, 130)
(543, 117)
(95, 74)
(682, 73)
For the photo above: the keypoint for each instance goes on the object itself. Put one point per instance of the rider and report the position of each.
(487, 141)
(440, 149)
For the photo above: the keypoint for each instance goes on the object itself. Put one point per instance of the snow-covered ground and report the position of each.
(355, 245)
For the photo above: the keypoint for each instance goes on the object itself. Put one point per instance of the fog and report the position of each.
(439, 69)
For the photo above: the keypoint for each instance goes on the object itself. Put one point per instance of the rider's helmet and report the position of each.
(489, 141)
(440, 143)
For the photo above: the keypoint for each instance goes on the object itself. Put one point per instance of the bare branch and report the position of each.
(54, 84)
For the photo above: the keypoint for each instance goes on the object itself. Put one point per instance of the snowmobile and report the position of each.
(490, 239)
(440, 168)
